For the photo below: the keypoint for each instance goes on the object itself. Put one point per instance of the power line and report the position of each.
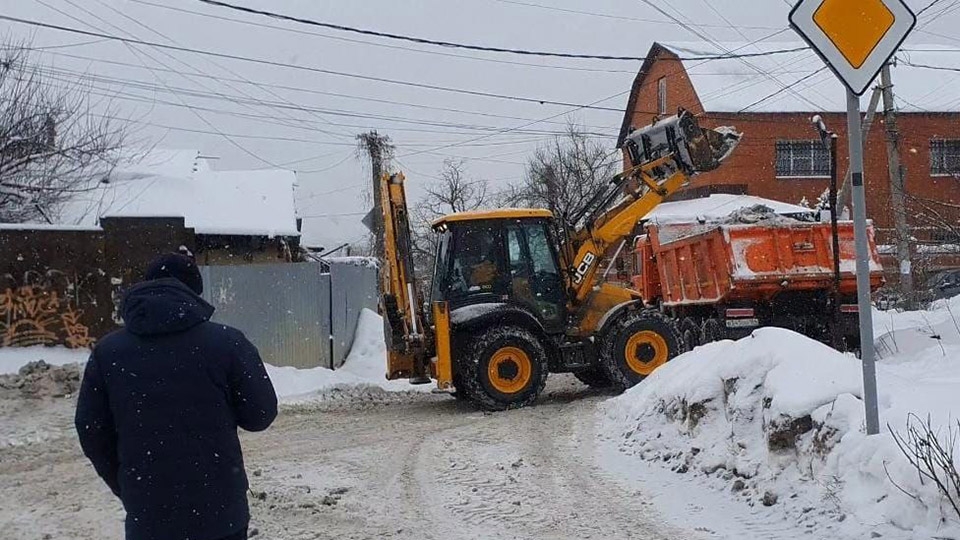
(413, 39)
(708, 39)
(313, 91)
(310, 69)
(136, 54)
(136, 84)
(927, 66)
(197, 70)
(786, 88)
(374, 44)
(930, 5)
(621, 17)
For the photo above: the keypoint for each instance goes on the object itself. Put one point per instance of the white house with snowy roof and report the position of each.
(770, 90)
(236, 216)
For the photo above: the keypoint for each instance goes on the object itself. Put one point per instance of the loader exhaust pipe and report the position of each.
(697, 149)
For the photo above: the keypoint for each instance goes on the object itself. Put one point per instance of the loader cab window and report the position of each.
(534, 276)
(441, 263)
(476, 266)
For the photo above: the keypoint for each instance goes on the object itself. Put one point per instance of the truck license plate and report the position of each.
(742, 323)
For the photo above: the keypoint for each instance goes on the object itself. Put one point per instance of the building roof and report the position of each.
(799, 82)
(172, 184)
(717, 207)
(500, 213)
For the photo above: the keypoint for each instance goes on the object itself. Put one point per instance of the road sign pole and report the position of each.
(867, 353)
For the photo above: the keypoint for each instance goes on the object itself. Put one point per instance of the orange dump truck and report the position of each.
(722, 280)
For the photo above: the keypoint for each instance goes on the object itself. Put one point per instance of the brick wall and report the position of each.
(751, 169)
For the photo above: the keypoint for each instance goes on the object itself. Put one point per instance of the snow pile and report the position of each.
(902, 334)
(12, 359)
(41, 380)
(777, 420)
(364, 368)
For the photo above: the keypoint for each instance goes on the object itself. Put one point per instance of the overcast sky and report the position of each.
(200, 94)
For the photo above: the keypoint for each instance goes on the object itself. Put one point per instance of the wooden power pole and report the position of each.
(379, 149)
(897, 189)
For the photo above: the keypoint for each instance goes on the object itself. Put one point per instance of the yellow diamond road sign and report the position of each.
(854, 37)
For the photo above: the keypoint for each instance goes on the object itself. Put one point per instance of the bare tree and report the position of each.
(52, 145)
(563, 175)
(452, 192)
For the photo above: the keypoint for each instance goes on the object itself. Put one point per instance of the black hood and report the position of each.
(163, 306)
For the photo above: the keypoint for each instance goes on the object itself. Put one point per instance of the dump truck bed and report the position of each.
(713, 263)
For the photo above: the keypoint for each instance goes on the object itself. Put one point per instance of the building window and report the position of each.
(802, 159)
(945, 157)
(662, 96)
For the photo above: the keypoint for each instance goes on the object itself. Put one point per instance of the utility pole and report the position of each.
(897, 189)
(380, 150)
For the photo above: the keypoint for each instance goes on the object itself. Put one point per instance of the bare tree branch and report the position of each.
(564, 175)
(51, 144)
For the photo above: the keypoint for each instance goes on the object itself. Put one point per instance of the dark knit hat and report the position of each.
(180, 267)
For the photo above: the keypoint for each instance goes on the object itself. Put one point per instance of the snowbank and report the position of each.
(777, 419)
(14, 358)
(903, 334)
(365, 367)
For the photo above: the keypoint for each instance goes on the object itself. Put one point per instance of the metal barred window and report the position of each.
(802, 159)
(945, 157)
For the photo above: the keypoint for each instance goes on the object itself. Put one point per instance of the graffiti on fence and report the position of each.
(42, 309)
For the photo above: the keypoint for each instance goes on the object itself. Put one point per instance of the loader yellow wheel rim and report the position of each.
(645, 351)
(509, 370)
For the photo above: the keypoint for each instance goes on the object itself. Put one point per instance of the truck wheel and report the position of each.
(691, 333)
(504, 368)
(637, 344)
(712, 330)
(593, 377)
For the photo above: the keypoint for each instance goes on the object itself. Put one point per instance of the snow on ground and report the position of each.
(776, 421)
(903, 334)
(365, 367)
(14, 358)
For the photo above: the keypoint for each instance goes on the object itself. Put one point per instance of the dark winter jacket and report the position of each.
(158, 413)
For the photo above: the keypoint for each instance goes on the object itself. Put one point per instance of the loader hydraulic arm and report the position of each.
(665, 156)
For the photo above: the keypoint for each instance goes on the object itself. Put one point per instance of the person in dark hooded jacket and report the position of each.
(159, 408)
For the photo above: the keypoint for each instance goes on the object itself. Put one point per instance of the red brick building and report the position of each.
(771, 97)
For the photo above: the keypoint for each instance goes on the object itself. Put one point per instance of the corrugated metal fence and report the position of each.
(295, 314)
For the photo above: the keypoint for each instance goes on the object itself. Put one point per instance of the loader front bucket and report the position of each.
(697, 149)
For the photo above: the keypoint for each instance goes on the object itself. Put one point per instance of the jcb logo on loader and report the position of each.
(584, 267)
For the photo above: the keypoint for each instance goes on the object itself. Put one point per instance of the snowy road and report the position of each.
(372, 465)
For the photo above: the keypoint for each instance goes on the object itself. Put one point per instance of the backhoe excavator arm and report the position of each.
(409, 340)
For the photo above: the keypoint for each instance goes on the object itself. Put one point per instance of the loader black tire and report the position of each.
(594, 377)
(712, 330)
(691, 333)
(637, 344)
(505, 367)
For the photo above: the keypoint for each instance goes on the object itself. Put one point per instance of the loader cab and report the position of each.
(500, 257)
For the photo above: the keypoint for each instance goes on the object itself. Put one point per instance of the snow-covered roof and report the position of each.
(179, 184)
(717, 207)
(160, 162)
(757, 84)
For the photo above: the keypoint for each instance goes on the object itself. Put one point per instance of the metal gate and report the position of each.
(294, 313)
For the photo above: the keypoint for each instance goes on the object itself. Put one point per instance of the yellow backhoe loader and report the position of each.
(516, 294)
